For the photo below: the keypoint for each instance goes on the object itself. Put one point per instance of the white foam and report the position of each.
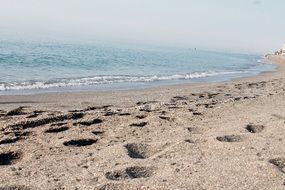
(108, 79)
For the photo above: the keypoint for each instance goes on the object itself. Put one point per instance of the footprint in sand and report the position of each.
(254, 128)
(15, 187)
(9, 158)
(17, 111)
(80, 142)
(141, 116)
(57, 129)
(140, 150)
(98, 132)
(130, 173)
(34, 114)
(165, 118)
(279, 162)
(116, 186)
(90, 122)
(141, 124)
(12, 137)
(229, 138)
(9, 140)
(44, 121)
(124, 114)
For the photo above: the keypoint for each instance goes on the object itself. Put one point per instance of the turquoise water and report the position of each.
(37, 67)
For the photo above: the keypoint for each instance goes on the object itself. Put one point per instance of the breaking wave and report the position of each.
(105, 79)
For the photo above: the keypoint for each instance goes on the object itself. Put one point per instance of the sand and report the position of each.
(226, 135)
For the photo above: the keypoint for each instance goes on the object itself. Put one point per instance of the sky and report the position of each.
(233, 25)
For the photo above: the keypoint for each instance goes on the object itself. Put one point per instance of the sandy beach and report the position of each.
(227, 135)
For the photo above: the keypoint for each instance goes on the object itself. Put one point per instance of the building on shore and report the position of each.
(281, 51)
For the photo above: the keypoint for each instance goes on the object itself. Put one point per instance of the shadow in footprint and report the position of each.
(139, 172)
(141, 116)
(229, 138)
(80, 142)
(189, 141)
(57, 129)
(130, 173)
(141, 124)
(140, 151)
(254, 128)
(17, 111)
(124, 114)
(9, 140)
(13, 136)
(279, 162)
(98, 132)
(164, 117)
(44, 121)
(8, 158)
(91, 122)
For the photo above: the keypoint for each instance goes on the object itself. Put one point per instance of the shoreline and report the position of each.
(13, 100)
(210, 77)
(227, 135)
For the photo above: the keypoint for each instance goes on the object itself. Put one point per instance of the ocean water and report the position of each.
(51, 67)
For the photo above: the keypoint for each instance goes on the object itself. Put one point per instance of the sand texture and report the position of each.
(227, 135)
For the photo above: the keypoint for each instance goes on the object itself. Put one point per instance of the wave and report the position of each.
(105, 79)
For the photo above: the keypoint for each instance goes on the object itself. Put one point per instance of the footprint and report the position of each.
(97, 108)
(141, 116)
(165, 118)
(8, 158)
(140, 151)
(117, 175)
(13, 136)
(189, 141)
(117, 186)
(15, 187)
(229, 138)
(9, 140)
(57, 129)
(254, 128)
(110, 113)
(144, 103)
(124, 114)
(98, 132)
(130, 173)
(192, 130)
(44, 121)
(34, 114)
(90, 122)
(139, 172)
(279, 162)
(141, 124)
(17, 111)
(197, 113)
(80, 142)
(180, 98)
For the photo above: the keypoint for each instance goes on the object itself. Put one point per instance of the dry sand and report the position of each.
(212, 136)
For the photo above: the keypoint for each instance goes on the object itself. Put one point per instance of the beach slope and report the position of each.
(203, 136)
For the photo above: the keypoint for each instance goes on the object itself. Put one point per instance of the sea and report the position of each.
(38, 67)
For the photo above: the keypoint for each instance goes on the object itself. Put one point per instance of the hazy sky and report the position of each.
(239, 25)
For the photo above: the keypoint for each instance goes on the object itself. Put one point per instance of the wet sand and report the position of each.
(226, 135)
